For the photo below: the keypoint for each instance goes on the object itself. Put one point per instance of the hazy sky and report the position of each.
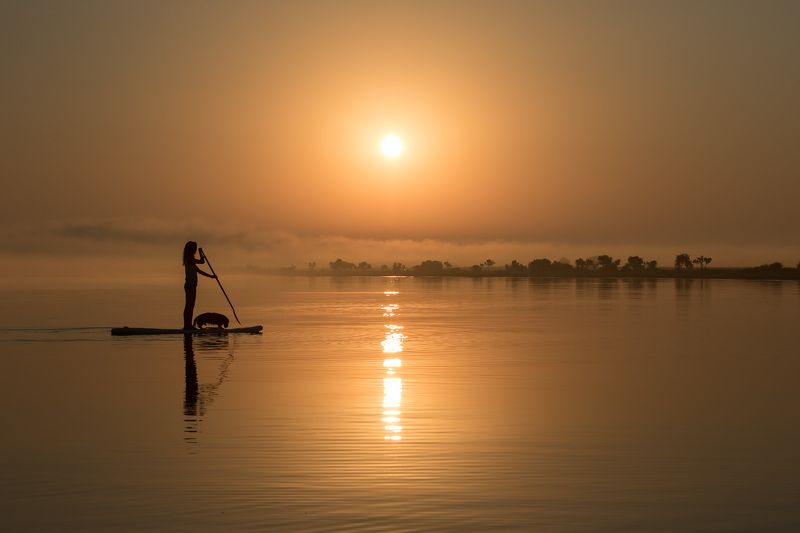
(531, 129)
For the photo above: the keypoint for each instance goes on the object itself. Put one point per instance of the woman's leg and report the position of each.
(188, 310)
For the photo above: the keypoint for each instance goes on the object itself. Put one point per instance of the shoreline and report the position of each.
(758, 273)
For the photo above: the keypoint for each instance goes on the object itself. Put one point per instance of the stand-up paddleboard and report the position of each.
(206, 331)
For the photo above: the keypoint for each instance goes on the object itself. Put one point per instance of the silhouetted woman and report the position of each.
(190, 285)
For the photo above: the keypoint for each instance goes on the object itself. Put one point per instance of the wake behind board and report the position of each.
(207, 331)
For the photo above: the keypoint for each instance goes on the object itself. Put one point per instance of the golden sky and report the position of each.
(530, 129)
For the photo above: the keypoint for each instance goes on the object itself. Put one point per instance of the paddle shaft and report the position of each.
(204, 256)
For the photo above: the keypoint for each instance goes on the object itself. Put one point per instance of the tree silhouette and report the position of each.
(607, 263)
(340, 265)
(540, 266)
(602, 265)
(635, 263)
(429, 268)
(701, 261)
(683, 261)
(516, 267)
(561, 267)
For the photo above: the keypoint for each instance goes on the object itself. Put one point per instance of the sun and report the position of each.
(392, 146)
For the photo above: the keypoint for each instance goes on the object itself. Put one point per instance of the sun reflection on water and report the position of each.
(392, 343)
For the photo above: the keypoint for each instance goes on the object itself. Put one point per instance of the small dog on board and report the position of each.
(217, 319)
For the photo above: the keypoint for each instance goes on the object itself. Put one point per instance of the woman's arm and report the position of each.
(206, 274)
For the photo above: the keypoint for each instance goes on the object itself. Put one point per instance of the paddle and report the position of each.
(204, 256)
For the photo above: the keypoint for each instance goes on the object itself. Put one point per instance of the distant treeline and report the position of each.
(597, 266)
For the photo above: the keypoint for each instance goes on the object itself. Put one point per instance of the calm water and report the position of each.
(400, 404)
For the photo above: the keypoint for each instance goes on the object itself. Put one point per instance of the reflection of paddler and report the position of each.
(191, 391)
(198, 397)
(190, 399)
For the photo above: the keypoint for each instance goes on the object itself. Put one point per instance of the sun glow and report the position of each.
(392, 146)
